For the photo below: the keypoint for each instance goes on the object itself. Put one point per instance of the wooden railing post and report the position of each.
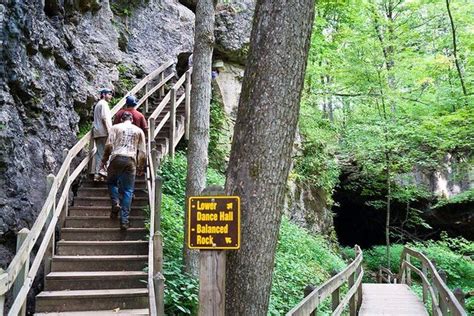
(151, 129)
(24, 270)
(307, 291)
(172, 122)
(335, 296)
(159, 285)
(408, 271)
(424, 270)
(49, 253)
(154, 157)
(146, 100)
(2, 297)
(187, 103)
(162, 88)
(91, 164)
(158, 278)
(158, 198)
(459, 294)
(442, 299)
(65, 210)
(402, 271)
(359, 288)
(352, 302)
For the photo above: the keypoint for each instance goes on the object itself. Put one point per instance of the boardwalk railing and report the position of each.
(433, 281)
(154, 182)
(20, 274)
(352, 274)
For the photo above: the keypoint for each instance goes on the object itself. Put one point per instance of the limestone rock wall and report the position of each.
(54, 56)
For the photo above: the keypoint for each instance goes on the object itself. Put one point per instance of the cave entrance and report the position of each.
(356, 222)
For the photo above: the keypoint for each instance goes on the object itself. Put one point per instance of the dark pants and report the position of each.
(121, 182)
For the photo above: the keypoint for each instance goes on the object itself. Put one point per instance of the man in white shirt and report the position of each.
(126, 148)
(101, 127)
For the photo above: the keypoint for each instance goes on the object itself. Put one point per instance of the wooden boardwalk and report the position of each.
(390, 299)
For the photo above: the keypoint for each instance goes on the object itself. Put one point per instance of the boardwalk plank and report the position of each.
(390, 299)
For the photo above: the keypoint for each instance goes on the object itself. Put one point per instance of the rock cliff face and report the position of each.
(55, 55)
(232, 30)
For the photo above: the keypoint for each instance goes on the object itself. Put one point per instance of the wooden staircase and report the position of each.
(94, 268)
(97, 267)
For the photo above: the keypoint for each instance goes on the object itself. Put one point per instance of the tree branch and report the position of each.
(456, 61)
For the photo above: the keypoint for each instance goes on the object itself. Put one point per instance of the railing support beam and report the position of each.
(187, 103)
(24, 270)
(441, 299)
(48, 255)
(408, 271)
(307, 291)
(172, 122)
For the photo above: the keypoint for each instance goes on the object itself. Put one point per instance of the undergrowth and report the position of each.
(301, 258)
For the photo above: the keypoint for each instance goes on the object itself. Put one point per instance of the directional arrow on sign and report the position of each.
(228, 240)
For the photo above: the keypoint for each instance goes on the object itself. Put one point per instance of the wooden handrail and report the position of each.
(51, 211)
(155, 252)
(443, 300)
(311, 302)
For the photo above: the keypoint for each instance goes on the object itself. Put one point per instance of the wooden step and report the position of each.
(101, 248)
(99, 263)
(95, 280)
(104, 191)
(140, 183)
(84, 300)
(101, 222)
(135, 312)
(101, 211)
(105, 201)
(96, 234)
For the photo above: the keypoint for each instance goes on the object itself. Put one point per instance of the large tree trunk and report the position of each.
(262, 144)
(199, 122)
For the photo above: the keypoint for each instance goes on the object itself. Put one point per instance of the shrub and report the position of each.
(181, 290)
(301, 259)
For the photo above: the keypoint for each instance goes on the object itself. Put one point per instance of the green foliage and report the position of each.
(465, 197)
(317, 164)
(124, 7)
(125, 82)
(453, 255)
(301, 259)
(383, 101)
(181, 291)
(173, 172)
(84, 128)
(219, 148)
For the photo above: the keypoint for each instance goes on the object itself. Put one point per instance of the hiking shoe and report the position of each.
(97, 177)
(103, 172)
(124, 226)
(115, 210)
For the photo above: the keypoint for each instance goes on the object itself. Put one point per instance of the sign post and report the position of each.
(213, 227)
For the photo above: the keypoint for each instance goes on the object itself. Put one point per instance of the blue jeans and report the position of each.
(100, 144)
(121, 183)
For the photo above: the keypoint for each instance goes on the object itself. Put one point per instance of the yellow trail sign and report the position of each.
(214, 222)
